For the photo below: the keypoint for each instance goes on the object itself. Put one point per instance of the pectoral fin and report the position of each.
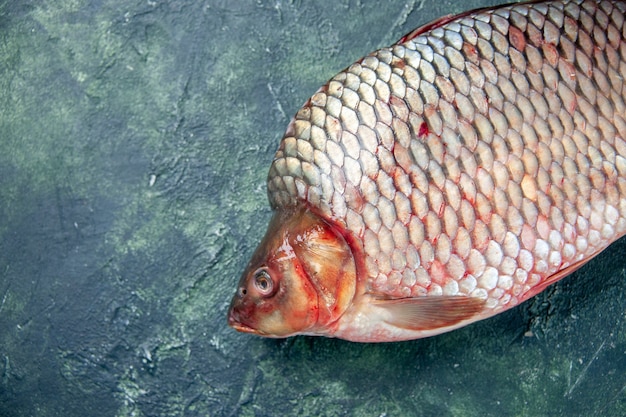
(430, 312)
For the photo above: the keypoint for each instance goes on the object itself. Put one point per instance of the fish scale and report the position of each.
(478, 158)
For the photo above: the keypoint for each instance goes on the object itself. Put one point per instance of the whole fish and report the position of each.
(446, 178)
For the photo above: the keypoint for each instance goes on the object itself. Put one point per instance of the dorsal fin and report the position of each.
(450, 17)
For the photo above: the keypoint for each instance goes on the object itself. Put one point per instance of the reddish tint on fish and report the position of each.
(446, 178)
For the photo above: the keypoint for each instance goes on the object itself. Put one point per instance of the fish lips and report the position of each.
(235, 321)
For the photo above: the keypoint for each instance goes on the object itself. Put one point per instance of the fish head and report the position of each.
(300, 280)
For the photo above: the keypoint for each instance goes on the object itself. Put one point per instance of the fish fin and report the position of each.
(444, 20)
(430, 312)
(556, 277)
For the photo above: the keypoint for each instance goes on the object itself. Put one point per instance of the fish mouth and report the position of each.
(235, 322)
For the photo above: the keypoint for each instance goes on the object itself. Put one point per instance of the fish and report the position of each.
(446, 178)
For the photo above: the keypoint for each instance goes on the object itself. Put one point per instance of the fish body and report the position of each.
(446, 178)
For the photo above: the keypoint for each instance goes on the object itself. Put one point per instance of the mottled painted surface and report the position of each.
(136, 138)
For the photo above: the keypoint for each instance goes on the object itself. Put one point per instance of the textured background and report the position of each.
(135, 138)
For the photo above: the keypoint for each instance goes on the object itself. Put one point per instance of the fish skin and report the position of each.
(482, 158)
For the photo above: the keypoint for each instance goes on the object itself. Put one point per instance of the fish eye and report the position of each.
(263, 282)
